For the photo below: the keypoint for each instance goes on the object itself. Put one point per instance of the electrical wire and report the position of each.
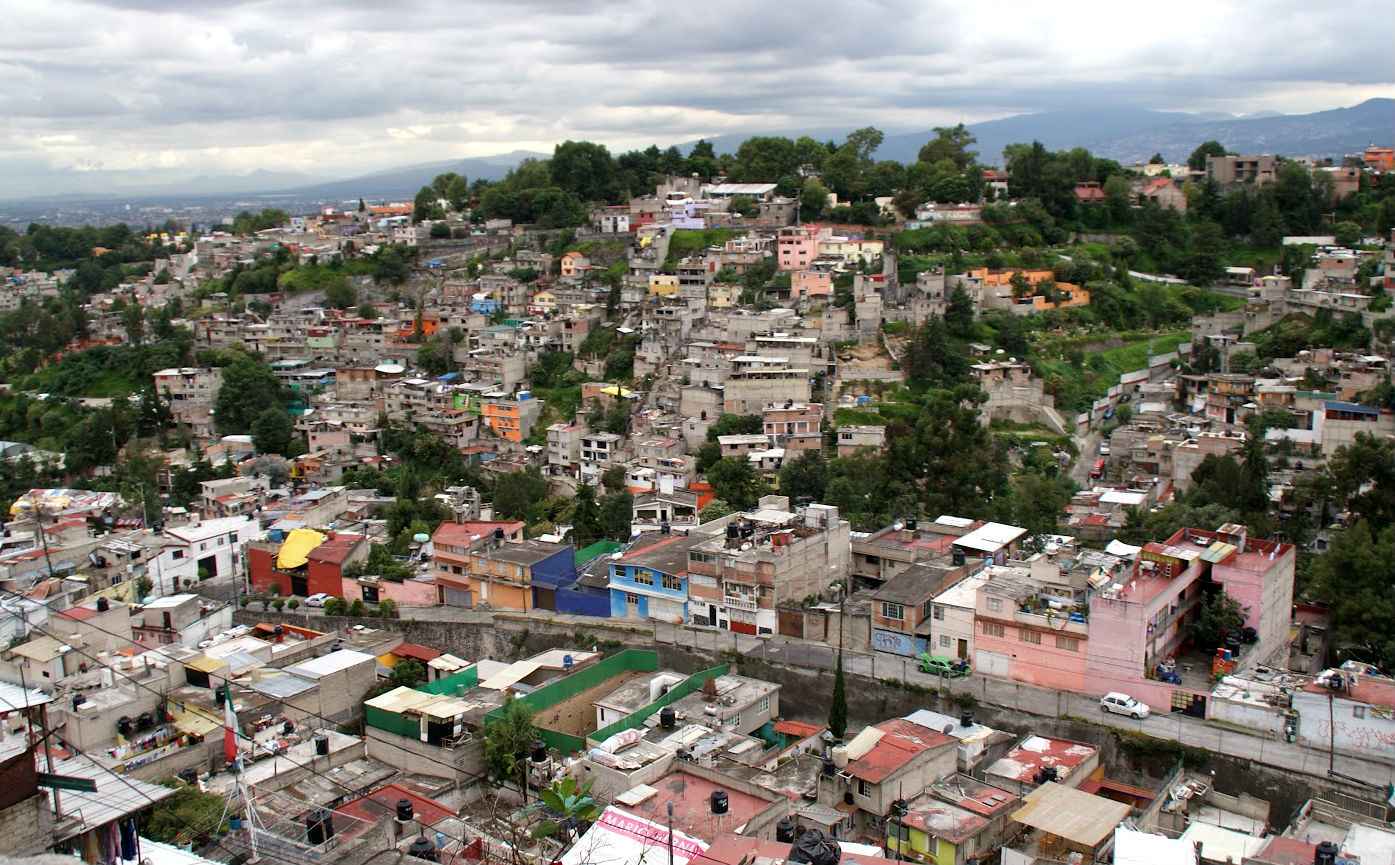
(237, 733)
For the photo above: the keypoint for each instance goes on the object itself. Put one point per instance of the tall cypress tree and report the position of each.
(838, 712)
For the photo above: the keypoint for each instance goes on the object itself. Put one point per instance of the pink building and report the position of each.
(797, 246)
(1109, 629)
(811, 283)
(1137, 623)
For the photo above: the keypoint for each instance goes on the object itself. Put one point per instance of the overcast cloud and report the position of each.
(334, 88)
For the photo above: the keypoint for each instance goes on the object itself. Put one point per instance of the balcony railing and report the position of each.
(735, 603)
(1059, 622)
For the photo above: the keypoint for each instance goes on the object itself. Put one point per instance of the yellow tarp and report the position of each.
(295, 551)
(191, 720)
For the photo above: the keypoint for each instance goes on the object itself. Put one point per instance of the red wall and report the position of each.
(261, 570)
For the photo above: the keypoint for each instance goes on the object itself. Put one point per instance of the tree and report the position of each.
(838, 707)
(272, 432)
(617, 513)
(1218, 615)
(440, 231)
(586, 516)
(584, 169)
(1353, 578)
(190, 816)
(1347, 233)
(813, 200)
(1197, 161)
(715, 510)
(434, 355)
(340, 293)
(736, 482)
(508, 740)
(1157, 159)
(453, 189)
(133, 320)
(247, 387)
(516, 495)
(427, 206)
(408, 673)
(959, 313)
(952, 143)
(804, 477)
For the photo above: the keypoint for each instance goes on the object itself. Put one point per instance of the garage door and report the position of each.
(992, 663)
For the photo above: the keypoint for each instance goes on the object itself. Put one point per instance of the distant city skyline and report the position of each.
(327, 90)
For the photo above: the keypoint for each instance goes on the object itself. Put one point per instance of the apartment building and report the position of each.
(511, 419)
(750, 390)
(564, 449)
(514, 575)
(1236, 168)
(452, 544)
(762, 559)
(189, 392)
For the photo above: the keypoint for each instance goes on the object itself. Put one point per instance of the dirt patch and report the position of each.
(577, 716)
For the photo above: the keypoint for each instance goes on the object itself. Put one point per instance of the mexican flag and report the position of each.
(229, 725)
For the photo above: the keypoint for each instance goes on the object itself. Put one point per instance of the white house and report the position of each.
(204, 549)
(952, 618)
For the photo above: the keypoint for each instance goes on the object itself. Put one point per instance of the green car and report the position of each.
(939, 665)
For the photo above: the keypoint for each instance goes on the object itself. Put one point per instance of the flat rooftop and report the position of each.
(1037, 752)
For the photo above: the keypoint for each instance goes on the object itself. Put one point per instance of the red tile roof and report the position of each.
(465, 534)
(1035, 752)
(416, 652)
(336, 550)
(798, 729)
(903, 742)
(80, 614)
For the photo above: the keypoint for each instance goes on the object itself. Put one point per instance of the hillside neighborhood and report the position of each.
(785, 504)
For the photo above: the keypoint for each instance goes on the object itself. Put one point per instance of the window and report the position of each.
(1358, 711)
(995, 604)
(1070, 644)
(944, 641)
(1028, 636)
(177, 554)
(763, 706)
(992, 629)
(895, 612)
(632, 599)
(939, 613)
(898, 831)
(644, 578)
(863, 788)
(222, 541)
(673, 583)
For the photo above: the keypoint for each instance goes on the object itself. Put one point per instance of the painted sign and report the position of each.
(897, 643)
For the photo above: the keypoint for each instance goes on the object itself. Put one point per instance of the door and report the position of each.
(791, 623)
(963, 650)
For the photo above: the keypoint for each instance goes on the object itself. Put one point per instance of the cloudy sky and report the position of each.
(336, 87)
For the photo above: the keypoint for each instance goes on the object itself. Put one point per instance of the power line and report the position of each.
(237, 733)
(231, 684)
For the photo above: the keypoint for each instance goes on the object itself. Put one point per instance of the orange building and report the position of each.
(1379, 158)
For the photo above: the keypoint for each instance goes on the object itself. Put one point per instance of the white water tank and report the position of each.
(840, 756)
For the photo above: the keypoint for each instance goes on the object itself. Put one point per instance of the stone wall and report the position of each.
(26, 827)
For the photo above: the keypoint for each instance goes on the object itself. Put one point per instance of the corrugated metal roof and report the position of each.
(334, 662)
(1078, 817)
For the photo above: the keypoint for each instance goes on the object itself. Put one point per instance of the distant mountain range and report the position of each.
(1126, 134)
(1135, 134)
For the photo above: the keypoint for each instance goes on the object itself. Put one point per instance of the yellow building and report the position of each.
(936, 832)
(663, 285)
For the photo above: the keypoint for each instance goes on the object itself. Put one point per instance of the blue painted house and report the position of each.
(651, 580)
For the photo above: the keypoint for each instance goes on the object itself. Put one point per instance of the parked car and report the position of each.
(318, 599)
(939, 665)
(1123, 704)
(1104, 449)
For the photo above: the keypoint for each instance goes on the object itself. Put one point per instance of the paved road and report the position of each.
(1089, 452)
(1189, 731)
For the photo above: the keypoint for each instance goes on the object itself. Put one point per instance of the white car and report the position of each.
(318, 599)
(1104, 449)
(1123, 704)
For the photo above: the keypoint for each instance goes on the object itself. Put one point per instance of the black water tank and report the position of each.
(733, 531)
(404, 810)
(829, 770)
(911, 523)
(123, 726)
(667, 717)
(189, 776)
(1326, 853)
(319, 827)
(322, 746)
(145, 721)
(78, 700)
(719, 802)
(784, 831)
(966, 719)
(538, 753)
(422, 848)
(103, 605)
(957, 556)
(498, 535)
